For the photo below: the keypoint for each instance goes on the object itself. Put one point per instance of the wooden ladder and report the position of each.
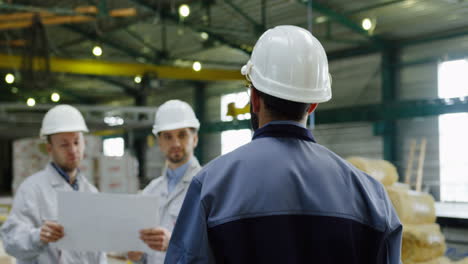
(421, 158)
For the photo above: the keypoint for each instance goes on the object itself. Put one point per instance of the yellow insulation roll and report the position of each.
(412, 207)
(381, 170)
(439, 260)
(400, 185)
(422, 243)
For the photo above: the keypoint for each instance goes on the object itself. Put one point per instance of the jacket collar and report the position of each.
(185, 181)
(193, 164)
(283, 131)
(56, 179)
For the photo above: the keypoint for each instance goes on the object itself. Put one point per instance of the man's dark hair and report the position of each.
(49, 140)
(283, 109)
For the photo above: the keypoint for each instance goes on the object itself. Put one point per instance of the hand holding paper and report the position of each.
(51, 232)
(156, 238)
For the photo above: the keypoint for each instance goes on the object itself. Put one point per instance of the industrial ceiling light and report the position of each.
(321, 19)
(366, 24)
(97, 51)
(31, 102)
(114, 120)
(204, 35)
(55, 97)
(184, 10)
(137, 79)
(197, 66)
(9, 78)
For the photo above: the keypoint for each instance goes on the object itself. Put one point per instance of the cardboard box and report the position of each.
(118, 174)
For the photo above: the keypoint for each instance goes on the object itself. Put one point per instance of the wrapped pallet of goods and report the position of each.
(422, 243)
(412, 207)
(381, 170)
(118, 174)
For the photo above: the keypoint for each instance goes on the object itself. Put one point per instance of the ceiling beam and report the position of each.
(372, 7)
(257, 26)
(114, 28)
(111, 43)
(344, 21)
(197, 28)
(107, 68)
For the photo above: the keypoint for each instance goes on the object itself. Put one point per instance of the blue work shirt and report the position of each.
(174, 176)
(283, 198)
(65, 176)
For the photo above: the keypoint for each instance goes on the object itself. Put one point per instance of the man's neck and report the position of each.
(72, 176)
(264, 118)
(174, 166)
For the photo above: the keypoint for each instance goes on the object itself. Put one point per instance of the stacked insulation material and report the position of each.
(422, 243)
(439, 260)
(381, 170)
(422, 240)
(412, 207)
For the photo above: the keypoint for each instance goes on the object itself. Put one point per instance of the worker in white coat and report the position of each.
(176, 128)
(32, 224)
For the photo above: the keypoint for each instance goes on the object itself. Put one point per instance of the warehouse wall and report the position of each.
(356, 81)
(419, 81)
(350, 139)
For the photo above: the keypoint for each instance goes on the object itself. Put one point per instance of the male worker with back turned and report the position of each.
(32, 223)
(283, 198)
(176, 128)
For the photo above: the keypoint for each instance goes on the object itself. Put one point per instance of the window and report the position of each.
(232, 139)
(453, 131)
(114, 146)
(240, 100)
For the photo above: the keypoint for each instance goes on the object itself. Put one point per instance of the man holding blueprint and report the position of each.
(176, 128)
(32, 224)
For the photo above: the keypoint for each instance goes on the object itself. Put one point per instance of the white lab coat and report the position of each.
(34, 203)
(169, 204)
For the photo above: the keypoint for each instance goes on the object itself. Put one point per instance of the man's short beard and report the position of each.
(177, 160)
(67, 169)
(254, 123)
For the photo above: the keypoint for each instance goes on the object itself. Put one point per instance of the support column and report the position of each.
(390, 79)
(200, 109)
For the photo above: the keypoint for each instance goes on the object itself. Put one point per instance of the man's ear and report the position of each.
(195, 140)
(255, 100)
(312, 108)
(49, 147)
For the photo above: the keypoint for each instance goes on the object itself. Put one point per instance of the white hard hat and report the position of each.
(174, 114)
(62, 118)
(289, 63)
